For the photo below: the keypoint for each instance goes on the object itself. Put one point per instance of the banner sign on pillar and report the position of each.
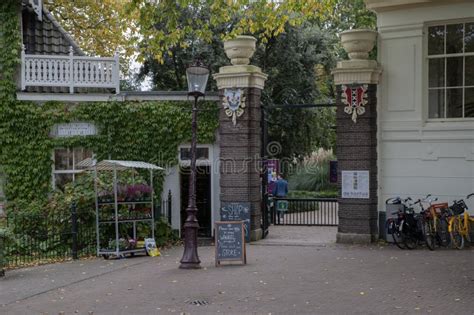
(355, 98)
(355, 184)
(234, 103)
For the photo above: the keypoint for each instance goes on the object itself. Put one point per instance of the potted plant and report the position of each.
(139, 192)
(240, 49)
(121, 193)
(105, 196)
(358, 42)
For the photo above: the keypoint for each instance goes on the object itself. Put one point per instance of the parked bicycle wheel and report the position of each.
(456, 237)
(409, 237)
(443, 233)
(428, 235)
(394, 229)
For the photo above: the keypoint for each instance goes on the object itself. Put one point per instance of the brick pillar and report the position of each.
(240, 138)
(356, 147)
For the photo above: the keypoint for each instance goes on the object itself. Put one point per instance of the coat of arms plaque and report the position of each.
(234, 103)
(355, 98)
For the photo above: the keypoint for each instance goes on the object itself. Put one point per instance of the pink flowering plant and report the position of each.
(139, 192)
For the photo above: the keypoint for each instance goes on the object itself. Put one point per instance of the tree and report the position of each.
(163, 25)
(292, 61)
(99, 27)
(342, 15)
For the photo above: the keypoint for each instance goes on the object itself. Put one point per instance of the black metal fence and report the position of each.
(314, 211)
(36, 238)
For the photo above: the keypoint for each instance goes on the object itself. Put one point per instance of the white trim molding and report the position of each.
(357, 72)
(241, 76)
(124, 96)
(387, 5)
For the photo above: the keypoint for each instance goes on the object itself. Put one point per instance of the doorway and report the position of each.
(203, 198)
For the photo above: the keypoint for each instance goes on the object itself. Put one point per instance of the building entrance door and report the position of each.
(203, 198)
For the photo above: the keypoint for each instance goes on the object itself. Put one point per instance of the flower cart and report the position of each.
(122, 207)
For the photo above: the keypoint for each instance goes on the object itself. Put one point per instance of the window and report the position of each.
(451, 70)
(201, 154)
(65, 164)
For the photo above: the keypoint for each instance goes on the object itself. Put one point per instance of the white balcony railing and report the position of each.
(70, 71)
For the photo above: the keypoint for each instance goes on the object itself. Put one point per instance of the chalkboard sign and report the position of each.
(237, 211)
(230, 243)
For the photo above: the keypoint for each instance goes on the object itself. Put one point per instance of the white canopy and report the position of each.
(117, 164)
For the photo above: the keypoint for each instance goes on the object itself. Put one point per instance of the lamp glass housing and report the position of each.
(197, 75)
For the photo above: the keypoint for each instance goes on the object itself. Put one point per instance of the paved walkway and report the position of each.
(329, 279)
(300, 235)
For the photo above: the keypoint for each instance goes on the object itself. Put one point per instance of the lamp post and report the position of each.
(197, 75)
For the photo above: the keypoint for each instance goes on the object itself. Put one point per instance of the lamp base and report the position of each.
(190, 258)
(188, 265)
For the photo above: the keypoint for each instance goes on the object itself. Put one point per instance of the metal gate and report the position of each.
(316, 212)
(312, 212)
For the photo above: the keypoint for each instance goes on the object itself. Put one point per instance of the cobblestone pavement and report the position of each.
(278, 279)
(300, 235)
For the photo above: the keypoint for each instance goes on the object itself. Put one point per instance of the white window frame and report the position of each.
(426, 59)
(199, 162)
(59, 172)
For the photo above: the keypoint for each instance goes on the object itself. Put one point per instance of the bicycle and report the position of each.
(394, 224)
(427, 222)
(459, 223)
(440, 216)
(404, 228)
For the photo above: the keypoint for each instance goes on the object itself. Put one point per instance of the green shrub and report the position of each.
(313, 173)
(332, 193)
(164, 234)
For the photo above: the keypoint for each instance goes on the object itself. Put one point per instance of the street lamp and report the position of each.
(197, 75)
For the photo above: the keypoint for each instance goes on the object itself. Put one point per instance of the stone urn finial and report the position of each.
(240, 49)
(358, 43)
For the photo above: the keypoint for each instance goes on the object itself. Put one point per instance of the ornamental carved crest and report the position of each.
(234, 103)
(355, 98)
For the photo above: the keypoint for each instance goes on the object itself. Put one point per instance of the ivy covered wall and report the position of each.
(148, 131)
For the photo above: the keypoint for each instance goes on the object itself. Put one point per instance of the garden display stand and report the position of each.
(115, 202)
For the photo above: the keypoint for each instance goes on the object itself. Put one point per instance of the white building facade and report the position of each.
(425, 99)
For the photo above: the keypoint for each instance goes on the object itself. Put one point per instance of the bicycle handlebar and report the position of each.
(392, 199)
(469, 196)
(426, 199)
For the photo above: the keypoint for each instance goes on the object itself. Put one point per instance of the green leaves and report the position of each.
(166, 25)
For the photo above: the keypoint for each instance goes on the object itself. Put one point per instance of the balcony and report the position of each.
(70, 78)
(70, 72)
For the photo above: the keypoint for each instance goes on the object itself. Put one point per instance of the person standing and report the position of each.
(280, 190)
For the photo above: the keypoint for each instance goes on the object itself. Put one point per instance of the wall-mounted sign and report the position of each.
(234, 103)
(230, 243)
(237, 211)
(355, 184)
(74, 129)
(355, 98)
